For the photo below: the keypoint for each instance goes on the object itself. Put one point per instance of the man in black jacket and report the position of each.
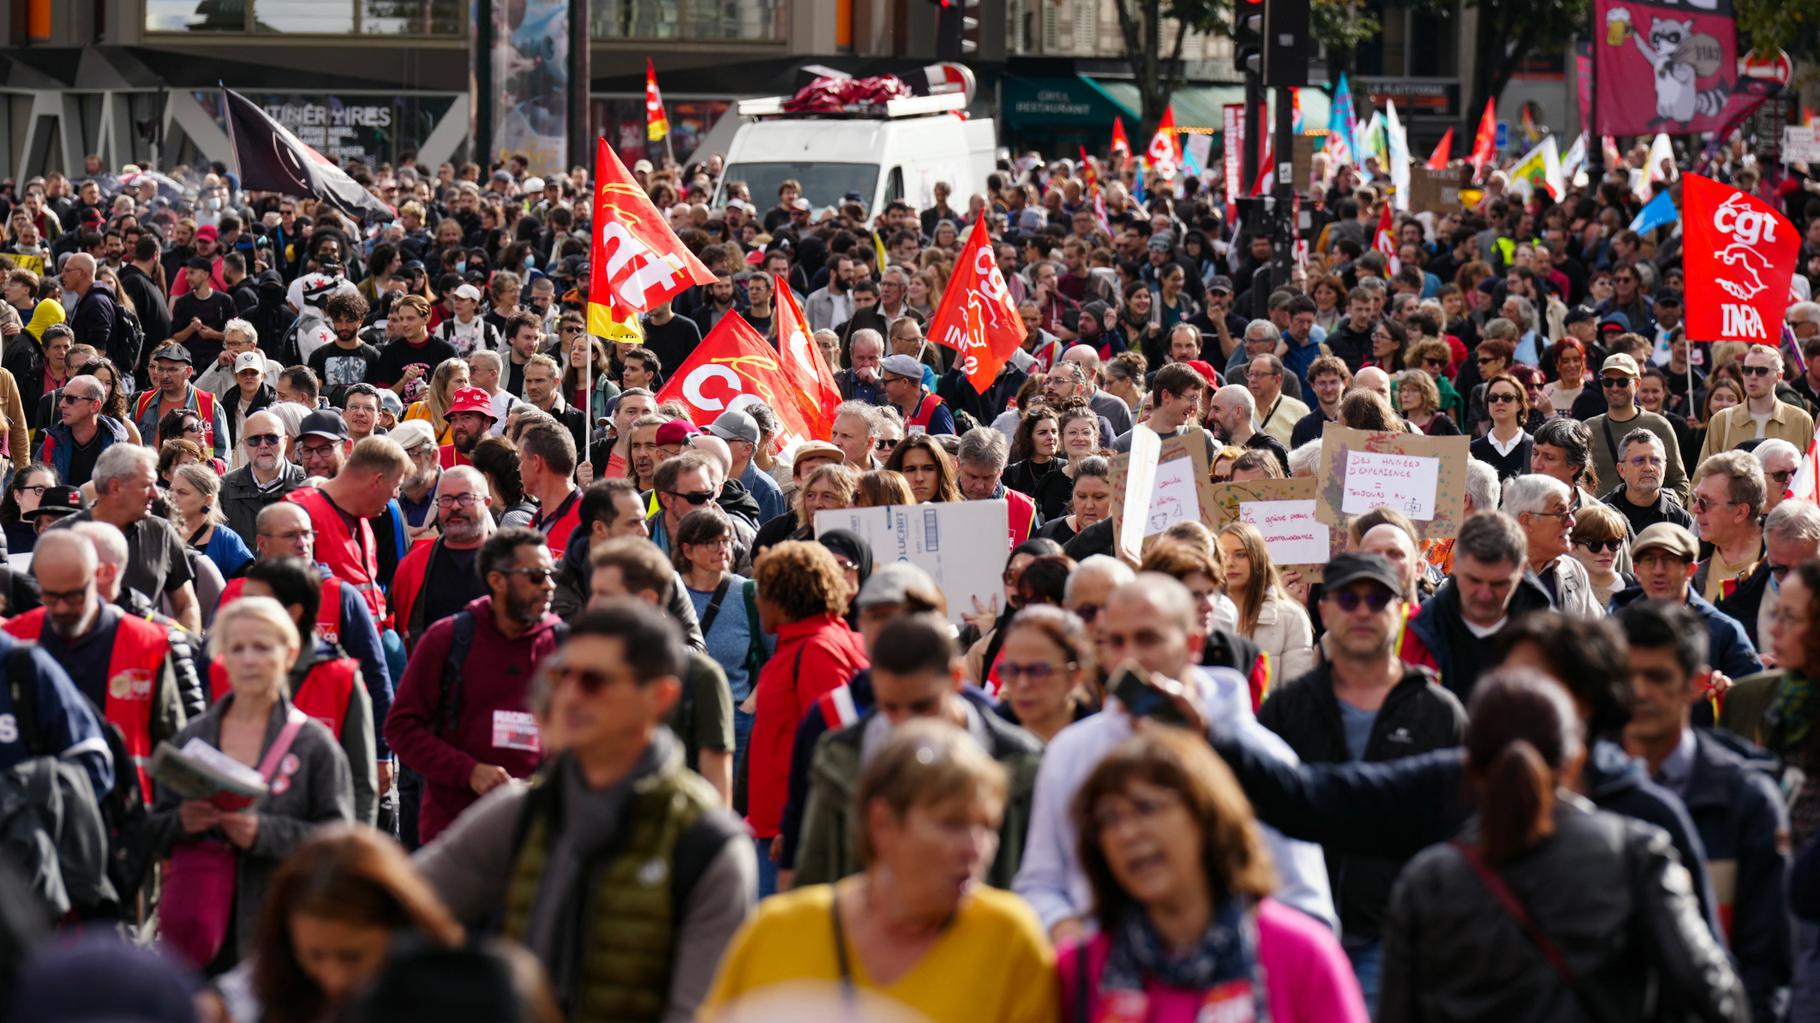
(1363, 703)
(139, 283)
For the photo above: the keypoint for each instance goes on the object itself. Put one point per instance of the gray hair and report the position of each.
(983, 445)
(120, 461)
(1803, 312)
(867, 335)
(1482, 485)
(1303, 460)
(1493, 538)
(241, 328)
(1794, 520)
(863, 411)
(1526, 311)
(1530, 493)
(1093, 565)
(1739, 467)
(1241, 396)
(485, 355)
(1771, 448)
(1642, 436)
(1264, 330)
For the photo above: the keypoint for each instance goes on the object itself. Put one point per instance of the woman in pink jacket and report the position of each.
(1181, 886)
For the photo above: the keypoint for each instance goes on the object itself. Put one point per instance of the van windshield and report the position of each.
(824, 184)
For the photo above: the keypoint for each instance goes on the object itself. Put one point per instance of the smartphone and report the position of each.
(1141, 697)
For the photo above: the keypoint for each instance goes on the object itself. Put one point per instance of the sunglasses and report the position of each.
(536, 576)
(71, 399)
(1601, 546)
(1486, 360)
(1781, 476)
(260, 440)
(1756, 371)
(1500, 398)
(588, 680)
(694, 497)
(1614, 383)
(1374, 599)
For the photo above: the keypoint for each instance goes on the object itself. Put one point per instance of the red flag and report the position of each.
(636, 262)
(657, 125)
(1485, 142)
(809, 380)
(1739, 256)
(1121, 146)
(1089, 173)
(977, 317)
(1437, 160)
(734, 366)
(1385, 240)
(1164, 153)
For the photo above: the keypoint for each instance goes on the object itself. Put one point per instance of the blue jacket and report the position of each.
(60, 444)
(63, 724)
(1728, 648)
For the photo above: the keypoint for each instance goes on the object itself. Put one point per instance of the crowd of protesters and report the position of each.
(562, 709)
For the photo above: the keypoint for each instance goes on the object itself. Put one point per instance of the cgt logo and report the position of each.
(1744, 269)
(734, 378)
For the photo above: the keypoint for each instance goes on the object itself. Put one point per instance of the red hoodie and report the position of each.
(493, 725)
(813, 656)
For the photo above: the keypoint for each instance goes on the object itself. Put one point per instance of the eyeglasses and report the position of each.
(36, 489)
(1601, 546)
(694, 496)
(293, 536)
(1614, 383)
(49, 597)
(1375, 599)
(1701, 504)
(1500, 398)
(1009, 672)
(537, 576)
(1756, 371)
(588, 680)
(1778, 571)
(1564, 513)
(1645, 461)
(451, 500)
(262, 440)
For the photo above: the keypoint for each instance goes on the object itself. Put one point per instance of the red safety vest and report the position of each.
(205, 407)
(328, 612)
(449, 458)
(323, 694)
(924, 411)
(350, 558)
(134, 669)
(557, 530)
(1020, 515)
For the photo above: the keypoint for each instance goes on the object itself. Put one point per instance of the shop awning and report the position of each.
(1063, 102)
(1199, 106)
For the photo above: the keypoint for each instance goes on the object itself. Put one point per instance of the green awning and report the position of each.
(1062, 102)
(1200, 106)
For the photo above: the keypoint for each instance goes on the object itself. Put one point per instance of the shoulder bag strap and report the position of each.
(293, 723)
(712, 611)
(1611, 443)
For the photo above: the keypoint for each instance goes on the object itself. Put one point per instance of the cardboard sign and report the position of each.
(1437, 190)
(961, 544)
(1284, 512)
(1151, 492)
(1422, 477)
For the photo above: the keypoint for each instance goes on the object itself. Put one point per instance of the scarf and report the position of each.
(1228, 952)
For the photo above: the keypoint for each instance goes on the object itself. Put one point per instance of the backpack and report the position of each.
(126, 341)
(448, 696)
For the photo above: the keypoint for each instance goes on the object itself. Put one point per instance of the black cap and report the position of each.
(1350, 568)
(324, 422)
(199, 263)
(175, 351)
(1220, 282)
(1580, 314)
(56, 502)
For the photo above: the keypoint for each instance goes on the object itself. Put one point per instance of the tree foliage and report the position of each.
(1510, 32)
(1154, 49)
(1339, 26)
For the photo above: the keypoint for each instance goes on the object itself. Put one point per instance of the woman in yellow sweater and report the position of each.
(916, 928)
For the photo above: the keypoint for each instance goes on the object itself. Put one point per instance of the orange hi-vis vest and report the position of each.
(328, 612)
(205, 408)
(134, 668)
(323, 692)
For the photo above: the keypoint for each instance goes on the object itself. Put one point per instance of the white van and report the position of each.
(882, 159)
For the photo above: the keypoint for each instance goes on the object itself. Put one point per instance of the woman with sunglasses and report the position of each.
(1434, 357)
(22, 497)
(1493, 358)
(725, 605)
(1599, 540)
(1506, 447)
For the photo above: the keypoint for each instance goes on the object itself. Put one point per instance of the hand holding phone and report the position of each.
(1144, 697)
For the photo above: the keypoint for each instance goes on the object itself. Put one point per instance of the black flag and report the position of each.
(274, 160)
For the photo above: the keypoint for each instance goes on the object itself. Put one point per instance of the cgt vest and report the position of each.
(323, 691)
(351, 558)
(628, 956)
(205, 408)
(328, 613)
(134, 669)
(925, 410)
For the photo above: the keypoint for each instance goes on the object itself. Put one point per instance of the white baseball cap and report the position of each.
(249, 360)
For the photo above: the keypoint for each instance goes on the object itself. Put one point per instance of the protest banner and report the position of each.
(1422, 477)
(1437, 190)
(1283, 511)
(1740, 258)
(961, 544)
(1160, 482)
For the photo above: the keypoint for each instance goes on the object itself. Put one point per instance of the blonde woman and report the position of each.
(450, 376)
(195, 499)
(1268, 616)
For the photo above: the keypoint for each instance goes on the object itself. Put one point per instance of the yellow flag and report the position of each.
(602, 324)
(878, 247)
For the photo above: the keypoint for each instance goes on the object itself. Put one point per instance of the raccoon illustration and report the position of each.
(1677, 97)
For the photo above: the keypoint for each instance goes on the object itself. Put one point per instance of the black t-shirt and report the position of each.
(155, 560)
(673, 341)
(82, 461)
(339, 368)
(214, 312)
(394, 357)
(450, 584)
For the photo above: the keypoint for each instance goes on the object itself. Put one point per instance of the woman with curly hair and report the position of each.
(1036, 471)
(1420, 401)
(801, 595)
(925, 464)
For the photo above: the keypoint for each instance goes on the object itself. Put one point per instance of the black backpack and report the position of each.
(126, 341)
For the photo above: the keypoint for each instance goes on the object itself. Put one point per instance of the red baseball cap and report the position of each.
(1206, 370)
(208, 231)
(676, 431)
(472, 399)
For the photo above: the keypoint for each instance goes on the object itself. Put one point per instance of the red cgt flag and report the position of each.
(1385, 240)
(636, 262)
(977, 317)
(1485, 141)
(1121, 145)
(1437, 160)
(1739, 256)
(811, 384)
(657, 126)
(1164, 152)
(734, 366)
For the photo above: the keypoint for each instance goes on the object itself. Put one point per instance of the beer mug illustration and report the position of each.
(1617, 26)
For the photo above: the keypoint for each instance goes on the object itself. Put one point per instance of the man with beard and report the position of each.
(475, 667)
(171, 390)
(349, 360)
(322, 444)
(263, 480)
(438, 578)
(1639, 496)
(126, 666)
(340, 507)
(644, 450)
(470, 419)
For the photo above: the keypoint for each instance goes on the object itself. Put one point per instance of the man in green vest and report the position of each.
(615, 865)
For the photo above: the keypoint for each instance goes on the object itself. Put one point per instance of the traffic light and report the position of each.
(957, 28)
(1248, 37)
(1285, 43)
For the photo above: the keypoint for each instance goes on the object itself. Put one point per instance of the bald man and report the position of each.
(96, 310)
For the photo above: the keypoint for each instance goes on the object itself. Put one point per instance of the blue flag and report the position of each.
(1659, 211)
(1342, 124)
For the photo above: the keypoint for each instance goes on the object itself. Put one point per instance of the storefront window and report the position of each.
(686, 19)
(412, 17)
(308, 17)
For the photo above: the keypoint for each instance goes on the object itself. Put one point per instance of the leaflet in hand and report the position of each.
(200, 771)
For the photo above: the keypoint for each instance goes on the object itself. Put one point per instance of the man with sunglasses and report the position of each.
(1363, 704)
(1727, 507)
(1791, 535)
(459, 716)
(265, 478)
(1763, 414)
(82, 433)
(682, 484)
(1618, 377)
(1664, 558)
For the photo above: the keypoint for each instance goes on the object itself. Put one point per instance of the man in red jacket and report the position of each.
(459, 717)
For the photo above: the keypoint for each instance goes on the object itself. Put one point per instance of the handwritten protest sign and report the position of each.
(1284, 512)
(1422, 477)
(1161, 482)
(961, 544)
